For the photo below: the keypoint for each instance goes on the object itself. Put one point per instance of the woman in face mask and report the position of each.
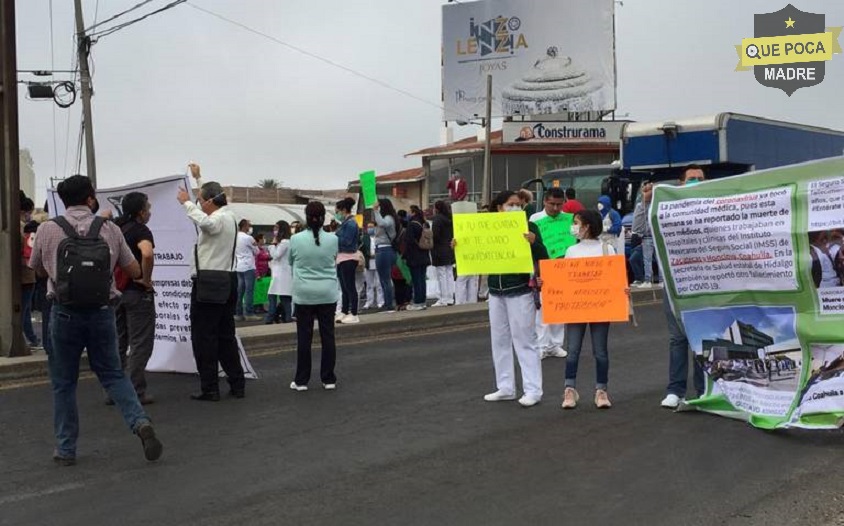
(374, 293)
(512, 317)
(281, 284)
(587, 227)
(348, 235)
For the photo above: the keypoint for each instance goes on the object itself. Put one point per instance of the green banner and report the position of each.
(754, 269)
(262, 286)
(556, 234)
(367, 187)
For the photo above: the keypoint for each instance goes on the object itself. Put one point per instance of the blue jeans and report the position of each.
(276, 302)
(245, 293)
(385, 258)
(678, 359)
(418, 277)
(575, 332)
(648, 258)
(73, 331)
(637, 264)
(26, 313)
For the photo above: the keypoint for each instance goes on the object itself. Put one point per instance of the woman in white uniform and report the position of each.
(280, 293)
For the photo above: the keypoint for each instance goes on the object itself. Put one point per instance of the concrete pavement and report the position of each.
(407, 439)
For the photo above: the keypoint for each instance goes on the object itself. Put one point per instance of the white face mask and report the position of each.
(600, 206)
(575, 231)
(249, 231)
(513, 208)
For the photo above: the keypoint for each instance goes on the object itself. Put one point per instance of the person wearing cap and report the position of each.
(212, 324)
(457, 188)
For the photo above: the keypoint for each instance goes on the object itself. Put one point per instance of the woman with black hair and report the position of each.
(348, 236)
(387, 229)
(587, 227)
(442, 256)
(417, 258)
(512, 318)
(281, 283)
(313, 253)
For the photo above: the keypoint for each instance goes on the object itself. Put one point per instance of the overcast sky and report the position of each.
(186, 86)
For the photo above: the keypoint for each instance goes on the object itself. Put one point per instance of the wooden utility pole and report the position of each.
(83, 47)
(11, 332)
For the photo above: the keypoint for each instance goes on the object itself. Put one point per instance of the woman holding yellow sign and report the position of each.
(512, 318)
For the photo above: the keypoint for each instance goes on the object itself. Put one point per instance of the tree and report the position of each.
(270, 184)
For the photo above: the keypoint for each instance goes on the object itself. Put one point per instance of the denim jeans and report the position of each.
(575, 332)
(418, 277)
(349, 294)
(285, 303)
(245, 293)
(648, 258)
(75, 330)
(678, 359)
(385, 258)
(637, 264)
(26, 313)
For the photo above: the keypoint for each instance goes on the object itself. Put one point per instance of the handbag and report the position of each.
(214, 286)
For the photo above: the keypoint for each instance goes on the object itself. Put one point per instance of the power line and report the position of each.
(106, 32)
(317, 57)
(115, 17)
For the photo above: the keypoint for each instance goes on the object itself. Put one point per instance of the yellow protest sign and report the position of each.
(492, 244)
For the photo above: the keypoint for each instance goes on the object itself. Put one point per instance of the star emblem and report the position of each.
(789, 23)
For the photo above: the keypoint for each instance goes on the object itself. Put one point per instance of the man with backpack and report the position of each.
(418, 242)
(78, 252)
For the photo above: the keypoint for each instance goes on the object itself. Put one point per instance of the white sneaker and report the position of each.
(350, 319)
(329, 387)
(556, 352)
(671, 401)
(528, 401)
(449, 302)
(299, 388)
(636, 284)
(645, 285)
(439, 304)
(499, 396)
(415, 307)
(339, 317)
(367, 306)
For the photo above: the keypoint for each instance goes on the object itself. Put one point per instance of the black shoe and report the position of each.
(238, 393)
(152, 446)
(62, 460)
(206, 397)
(146, 399)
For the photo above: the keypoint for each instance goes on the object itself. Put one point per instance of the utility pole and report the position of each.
(487, 184)
(83, 47)
(11, 333)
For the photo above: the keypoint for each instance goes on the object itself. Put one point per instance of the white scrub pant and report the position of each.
(466, 290)
(512, 327)
(549, 336)
(445, 280)
(374, 293)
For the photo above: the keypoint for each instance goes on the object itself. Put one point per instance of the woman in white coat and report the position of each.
(280, 293)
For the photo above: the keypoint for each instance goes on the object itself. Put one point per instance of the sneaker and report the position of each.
(645, 285)
(415, 307)
(368, 306)
(338, 318)
(636, 284)
(299, 388)
(671, 401)
(499, 396)
(528, 401)
(63, 460)
(555, 352)
(570, 398)
(329, 387)
(350, 319)
(602, 401)
(440, 304)
(152, 446)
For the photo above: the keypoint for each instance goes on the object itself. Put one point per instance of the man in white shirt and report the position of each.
(244, 254)
(551, 338)
(212, 324)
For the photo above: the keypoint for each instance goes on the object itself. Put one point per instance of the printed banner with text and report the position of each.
(754, 268)
(175, 236)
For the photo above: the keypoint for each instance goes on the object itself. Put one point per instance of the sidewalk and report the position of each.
(282, 337)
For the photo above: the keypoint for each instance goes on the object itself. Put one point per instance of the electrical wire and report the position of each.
(118, 15)
(320, 58)
(105, 32)
(79, 145)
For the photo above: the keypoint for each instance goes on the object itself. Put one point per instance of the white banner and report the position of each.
(545, 56)
(175, 236)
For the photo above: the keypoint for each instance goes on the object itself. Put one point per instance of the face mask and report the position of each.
(575, 231)
(292, 231)
(692, 182)
(513, 208)
(275, 232)
(600, 207)
(370, 231)
(249, 231)
(339, 217)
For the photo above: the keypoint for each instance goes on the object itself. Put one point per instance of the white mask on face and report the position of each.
(575, 231)
(513, 208)
(249, 231)
(600, 206)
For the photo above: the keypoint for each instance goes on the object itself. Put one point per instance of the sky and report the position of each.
(185, 86)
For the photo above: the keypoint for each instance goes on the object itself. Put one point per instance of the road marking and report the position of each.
(11, 499)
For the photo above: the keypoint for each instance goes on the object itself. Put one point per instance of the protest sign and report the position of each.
(556, 234)
(753, 268)
(175, 236)
(367, 188)
(584, 290)
(492, 244)
(359, 220)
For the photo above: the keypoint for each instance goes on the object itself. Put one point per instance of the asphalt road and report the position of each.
(407, 439)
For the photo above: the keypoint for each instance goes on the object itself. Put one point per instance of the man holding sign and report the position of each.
(555, 227)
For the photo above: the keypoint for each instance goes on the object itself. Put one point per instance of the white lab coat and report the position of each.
(282, 272)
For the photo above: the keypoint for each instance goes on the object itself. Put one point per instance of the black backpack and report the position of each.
(83, 267)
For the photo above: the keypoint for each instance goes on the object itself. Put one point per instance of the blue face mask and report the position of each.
(692, 182)
(370, 231)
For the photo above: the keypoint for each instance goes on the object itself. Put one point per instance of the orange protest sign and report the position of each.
(583, 290)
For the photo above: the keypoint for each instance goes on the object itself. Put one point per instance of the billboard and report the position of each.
(563, 132)
(545, 56)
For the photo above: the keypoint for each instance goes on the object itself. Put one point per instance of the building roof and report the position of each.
(471, 145)
(412, 175)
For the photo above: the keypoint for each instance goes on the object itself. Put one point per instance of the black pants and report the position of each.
(418, 281)
(346, 274)
(305, 317)
(214, 342)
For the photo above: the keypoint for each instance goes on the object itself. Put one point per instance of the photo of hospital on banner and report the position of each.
(825, 236)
